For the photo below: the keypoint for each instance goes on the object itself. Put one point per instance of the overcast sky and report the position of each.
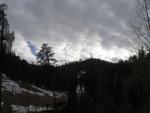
(76, 29)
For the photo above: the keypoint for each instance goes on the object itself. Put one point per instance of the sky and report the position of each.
(76, 29)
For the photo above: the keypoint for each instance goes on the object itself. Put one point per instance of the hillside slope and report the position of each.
(20, 97)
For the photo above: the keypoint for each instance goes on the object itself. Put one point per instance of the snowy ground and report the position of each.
(23, 109)
(19, 90)
(15, 88)
(2, 103)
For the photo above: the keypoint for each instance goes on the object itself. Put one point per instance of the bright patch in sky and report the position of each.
(67, 52)
(22, 49)
(75, 29)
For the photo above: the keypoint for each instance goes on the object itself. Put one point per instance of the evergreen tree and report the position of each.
(6, 37)
(46, 55)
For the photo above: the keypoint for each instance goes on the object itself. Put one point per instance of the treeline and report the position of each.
(107, 86)
(122, 87)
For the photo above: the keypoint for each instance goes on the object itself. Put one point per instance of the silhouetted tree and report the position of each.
(46, 55)
(6, 37)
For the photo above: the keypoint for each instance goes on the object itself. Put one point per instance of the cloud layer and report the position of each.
(74, 28)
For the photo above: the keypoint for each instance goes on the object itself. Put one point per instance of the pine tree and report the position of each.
(6, 37)
(45, 55)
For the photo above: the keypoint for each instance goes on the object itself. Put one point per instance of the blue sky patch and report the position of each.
(32, 47)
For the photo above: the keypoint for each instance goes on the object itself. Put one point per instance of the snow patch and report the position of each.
(50, 93)
(2, 103)
(15, 88)
(3, 75)
(80, 89)
(19, 109)
(11, 86)
(24, 109)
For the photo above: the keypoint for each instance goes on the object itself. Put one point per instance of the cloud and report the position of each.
(22, 49)
(32, 48)
(74, 28)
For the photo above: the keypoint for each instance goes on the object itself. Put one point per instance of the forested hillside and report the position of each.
(84, 86)
(107, 86)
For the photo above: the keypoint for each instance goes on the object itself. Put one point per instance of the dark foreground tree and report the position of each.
(46, 57)
(6, 37)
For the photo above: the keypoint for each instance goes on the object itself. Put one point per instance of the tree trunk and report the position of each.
(54, 101)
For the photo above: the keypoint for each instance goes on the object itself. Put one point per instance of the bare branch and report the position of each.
(141, 24)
